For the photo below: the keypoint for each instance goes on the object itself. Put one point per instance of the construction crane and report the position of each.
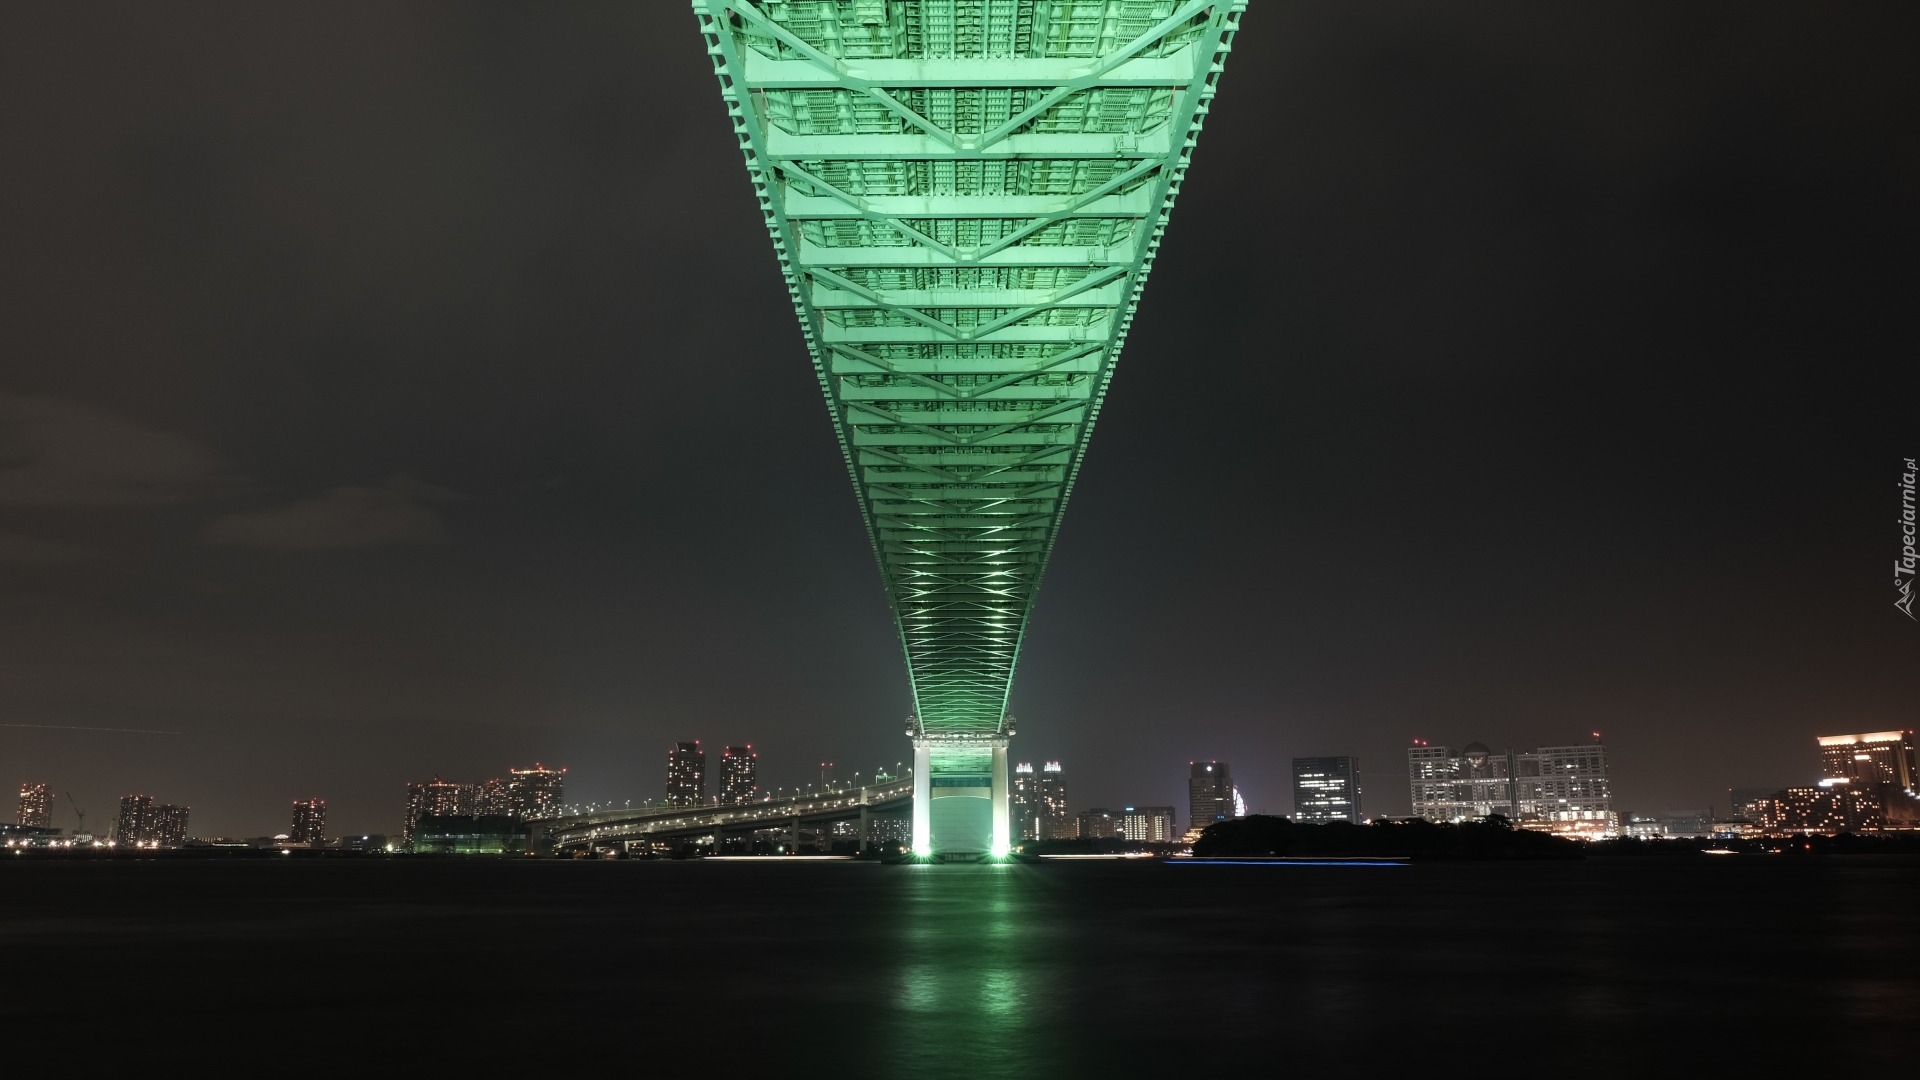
(81, 828)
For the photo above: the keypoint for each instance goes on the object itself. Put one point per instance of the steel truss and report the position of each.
(966, 197)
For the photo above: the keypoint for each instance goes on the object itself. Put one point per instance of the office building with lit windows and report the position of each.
(1326, 789)
(1097, 824)
(1835, 805)
(740, 775)
(1023, 803)
(1211, 795)
(309, 822)
(36, 806)
(1055, 823)
(145, 823)
(687, 775)
(1562, 789)
(536, 792)
(1565, 789)
(437, 798)
(1151, 824)
(1879, 757)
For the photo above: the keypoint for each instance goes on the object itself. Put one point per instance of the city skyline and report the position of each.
(353, 479)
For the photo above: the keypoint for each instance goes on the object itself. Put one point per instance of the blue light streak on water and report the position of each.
(1275, 862)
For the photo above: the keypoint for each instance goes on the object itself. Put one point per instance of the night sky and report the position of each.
(391, 390)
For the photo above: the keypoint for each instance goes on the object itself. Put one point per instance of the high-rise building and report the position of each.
(1326, 789)
(1023, 803)
(740, 775)
(1836, 805)
(309, 822)
(687, 775)
(1464, 786)
(1211, 795)
(493, 797)
(1153, 824)
(536, 792)
(1878, 757)
(36, 806)
(145, 823)
(1098, 824)
(437, 798)
(1750, 804)
(1565, 787)
(1054, 821)
(1561, 788)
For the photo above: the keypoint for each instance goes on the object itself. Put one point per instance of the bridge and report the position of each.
(616, 829)
(965, 197)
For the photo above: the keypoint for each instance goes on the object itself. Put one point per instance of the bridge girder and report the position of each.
(966, 198)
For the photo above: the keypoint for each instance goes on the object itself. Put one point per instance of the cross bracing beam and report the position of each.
(966, 197)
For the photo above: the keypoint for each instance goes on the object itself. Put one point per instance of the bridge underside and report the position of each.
(966, 197)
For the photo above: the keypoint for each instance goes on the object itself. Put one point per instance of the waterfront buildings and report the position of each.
(1098, 824)
(740, 775)
(1210, 794)
(1023, 803)
(1153, 824)
(1832, 806)
(1149, 824)
(1879, 757)
(1749, 804)
(1564, 789)
(1326, 789)
(687, 775)
(309, 822)
(437, 798)
(36, 806)
(1051, 789)
(536, 792)
(145, 823)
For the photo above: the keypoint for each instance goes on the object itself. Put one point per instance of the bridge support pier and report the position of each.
(1002, 834)
(922, 798)
(961, 792)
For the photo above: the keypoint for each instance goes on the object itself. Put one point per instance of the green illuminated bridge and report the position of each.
(966, 197)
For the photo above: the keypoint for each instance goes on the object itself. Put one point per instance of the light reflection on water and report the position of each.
(965, 971)
(1055, 970)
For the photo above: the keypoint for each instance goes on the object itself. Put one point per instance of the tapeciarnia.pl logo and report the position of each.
(1903, 566)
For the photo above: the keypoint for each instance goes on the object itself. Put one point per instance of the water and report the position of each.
(1593, 968)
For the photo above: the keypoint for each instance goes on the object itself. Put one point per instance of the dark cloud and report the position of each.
(55, 452)
(37, 551)
(398, 513)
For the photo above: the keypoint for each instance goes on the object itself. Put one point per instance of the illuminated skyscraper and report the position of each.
(740, 775)
(1564, 789)
(1210, 794)
(1054, 821)
(36, 806)
(145, 823)
(536, 792)
(493, 798)
(1326, 789)
(1153, 824)
(437, 798)
(687, 775)
(1464, 786)
(309, 822)
(1023, 803)
(1879, 757)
